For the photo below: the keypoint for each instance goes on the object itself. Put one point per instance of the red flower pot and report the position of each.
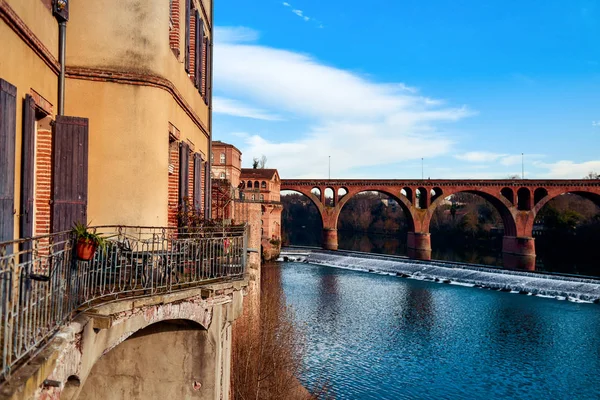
(86, 249)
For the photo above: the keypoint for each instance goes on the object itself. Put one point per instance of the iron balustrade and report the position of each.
(43, 285)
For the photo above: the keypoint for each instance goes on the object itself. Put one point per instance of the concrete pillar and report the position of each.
(330, 239)
(518, 253)
(419, 245)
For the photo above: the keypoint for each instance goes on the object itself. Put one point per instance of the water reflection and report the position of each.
(479, 252)
(381, 337)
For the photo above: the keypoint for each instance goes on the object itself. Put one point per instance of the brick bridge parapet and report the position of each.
(518, 201)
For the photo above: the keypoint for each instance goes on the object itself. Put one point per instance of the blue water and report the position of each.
(379, 337)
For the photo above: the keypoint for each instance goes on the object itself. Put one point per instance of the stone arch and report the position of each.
(401, 200)
(249, 185)
(312, 197)
(421, 196)
(523, 199)
(539, 194)
(501, 204)
(256, 185)
(408, 193)
(142, 365)
(316, 191)
(508, 194)
(594, 197)
(435, 193)
(329, 197)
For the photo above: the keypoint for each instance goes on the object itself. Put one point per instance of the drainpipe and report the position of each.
(208, 199)
(62, 44)
(60, 10)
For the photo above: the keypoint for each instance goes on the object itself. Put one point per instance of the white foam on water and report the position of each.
(549, 286)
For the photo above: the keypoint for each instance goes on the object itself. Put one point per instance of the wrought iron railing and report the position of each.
(43, 285)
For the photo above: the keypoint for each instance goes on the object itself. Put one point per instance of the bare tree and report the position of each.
(259, 163)
(592, 175)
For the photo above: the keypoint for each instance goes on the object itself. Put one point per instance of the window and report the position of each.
(188, 33)
(262, 197)
(263, 185)
(253, 197)
(222, 158)
(222, 176)
(212, 158)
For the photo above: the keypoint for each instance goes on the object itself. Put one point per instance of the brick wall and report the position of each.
(43, 177)
(192, 44)
(173, 183)
(250, 213)
(175, 28)
(191, 178)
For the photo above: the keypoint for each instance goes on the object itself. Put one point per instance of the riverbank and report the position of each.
(561, 287)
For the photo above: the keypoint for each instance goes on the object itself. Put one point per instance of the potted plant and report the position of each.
(86, 242)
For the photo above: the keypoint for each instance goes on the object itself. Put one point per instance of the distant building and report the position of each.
(226, 160)
(263, 185)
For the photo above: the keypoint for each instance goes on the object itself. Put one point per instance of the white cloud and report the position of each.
(222, 105)
(356, 121)
(286, 4)
(569, 169)
(479, 156)
(297, 12)
(235, 34)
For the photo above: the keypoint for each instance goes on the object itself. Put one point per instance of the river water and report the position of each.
(373, 336)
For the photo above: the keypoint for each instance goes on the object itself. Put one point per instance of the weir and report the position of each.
(559, 286)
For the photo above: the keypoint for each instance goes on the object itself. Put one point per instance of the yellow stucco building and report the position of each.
(138, 77)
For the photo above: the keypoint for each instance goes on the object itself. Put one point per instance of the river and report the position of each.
(372, 336)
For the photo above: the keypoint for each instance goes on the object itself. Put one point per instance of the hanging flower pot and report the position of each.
(86, 249)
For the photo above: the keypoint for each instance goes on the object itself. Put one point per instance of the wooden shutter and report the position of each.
(27, 168)
(69, 172)
(188, 30)
(207, 70)
(199, 58)
(8, 128)
(184, 171)
(197, 181)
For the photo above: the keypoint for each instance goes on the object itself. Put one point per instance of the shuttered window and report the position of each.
(199, 59)
(197, 181)
(69, 172)
(188, 15)
(8, 128)
(207, 71)
(184, 170)
(27, 168)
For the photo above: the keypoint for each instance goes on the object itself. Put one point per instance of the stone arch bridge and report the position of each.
(517, 201)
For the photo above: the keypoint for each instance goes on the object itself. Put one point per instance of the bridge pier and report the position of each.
(419, 245)
(330, 239)
(518, 253)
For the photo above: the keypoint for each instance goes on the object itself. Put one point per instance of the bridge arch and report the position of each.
(401, 200)
(142, 365)
(499, 202)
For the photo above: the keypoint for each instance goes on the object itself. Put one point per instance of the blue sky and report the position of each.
(467, 85)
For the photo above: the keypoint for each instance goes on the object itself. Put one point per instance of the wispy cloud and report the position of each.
(222, 105)
(506, 160)
(301, 14)
(569, 169)
(356, 121)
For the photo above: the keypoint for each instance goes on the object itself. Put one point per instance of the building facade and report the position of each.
(134, 140)
(263, 186)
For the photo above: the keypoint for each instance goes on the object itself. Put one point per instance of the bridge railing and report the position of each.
(43, 285)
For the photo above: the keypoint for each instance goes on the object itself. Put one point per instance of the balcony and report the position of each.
(43, 286)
